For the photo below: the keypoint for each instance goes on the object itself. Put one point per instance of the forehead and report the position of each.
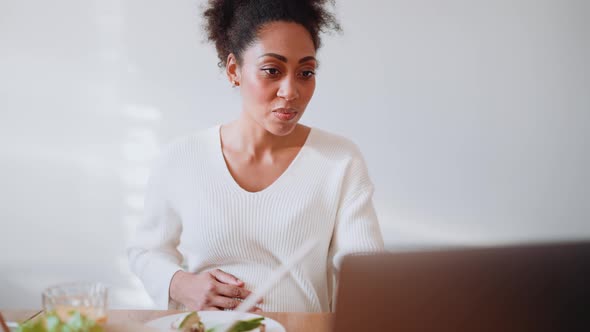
(288, 39)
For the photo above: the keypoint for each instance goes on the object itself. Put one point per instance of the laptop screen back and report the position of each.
(519, 288)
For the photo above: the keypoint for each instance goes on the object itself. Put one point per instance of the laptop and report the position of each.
(538, 287)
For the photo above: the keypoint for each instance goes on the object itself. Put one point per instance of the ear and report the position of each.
(232, 70)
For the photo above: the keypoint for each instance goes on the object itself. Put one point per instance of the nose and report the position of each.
(288, 89)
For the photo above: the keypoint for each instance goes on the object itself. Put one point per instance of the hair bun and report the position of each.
(233, 24)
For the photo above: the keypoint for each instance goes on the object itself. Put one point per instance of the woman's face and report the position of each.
(277, 76)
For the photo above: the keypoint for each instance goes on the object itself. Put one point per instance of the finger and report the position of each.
(255, 310)
(225, 302)
(226, 278)
(232, 291)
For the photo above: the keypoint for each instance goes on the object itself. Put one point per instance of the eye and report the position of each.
(272, 72)
(307, 74)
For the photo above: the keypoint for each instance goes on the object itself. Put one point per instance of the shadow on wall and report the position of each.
(15, 296)
(21, 286)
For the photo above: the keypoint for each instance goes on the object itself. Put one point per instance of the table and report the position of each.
(18, 315)
(292, 321)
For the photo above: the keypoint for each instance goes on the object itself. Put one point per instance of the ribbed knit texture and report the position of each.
(198, 218)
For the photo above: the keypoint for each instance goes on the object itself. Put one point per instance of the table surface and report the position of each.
(292, 321)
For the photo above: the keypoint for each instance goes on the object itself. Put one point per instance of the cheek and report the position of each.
(308, 90)
(258, 90)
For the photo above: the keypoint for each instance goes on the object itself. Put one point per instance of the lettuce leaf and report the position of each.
(241, 325)
(51, 322)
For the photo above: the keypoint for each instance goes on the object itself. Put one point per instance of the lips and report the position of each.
(285, 114)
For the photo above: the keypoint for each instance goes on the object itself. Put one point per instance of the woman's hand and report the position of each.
(211, 290)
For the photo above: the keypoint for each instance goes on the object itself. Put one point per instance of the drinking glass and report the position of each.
(89, 298)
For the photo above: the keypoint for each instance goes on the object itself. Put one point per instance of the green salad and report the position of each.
(244, 325)
(51, 322)
(192, 323)
(77, 322)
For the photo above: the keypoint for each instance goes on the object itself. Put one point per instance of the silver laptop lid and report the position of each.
(542, 287)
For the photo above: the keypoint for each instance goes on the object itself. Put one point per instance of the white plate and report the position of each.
(214, 318)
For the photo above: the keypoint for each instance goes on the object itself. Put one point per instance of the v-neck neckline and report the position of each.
(276, 183)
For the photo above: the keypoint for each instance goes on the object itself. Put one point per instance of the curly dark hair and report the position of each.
(233, 24)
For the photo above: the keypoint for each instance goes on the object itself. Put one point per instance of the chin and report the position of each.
(281, 129)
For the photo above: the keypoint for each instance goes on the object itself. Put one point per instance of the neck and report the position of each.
(248, 137)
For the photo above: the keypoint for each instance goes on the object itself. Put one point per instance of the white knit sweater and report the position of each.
(197, 218)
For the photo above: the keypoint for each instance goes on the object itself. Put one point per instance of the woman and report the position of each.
(236, 200)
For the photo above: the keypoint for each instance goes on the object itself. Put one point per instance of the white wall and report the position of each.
(473, 117)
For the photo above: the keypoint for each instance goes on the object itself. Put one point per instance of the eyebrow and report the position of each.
(284, 59)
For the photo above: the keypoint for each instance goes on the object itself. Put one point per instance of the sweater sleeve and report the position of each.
(153, 252)
(356, 229)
